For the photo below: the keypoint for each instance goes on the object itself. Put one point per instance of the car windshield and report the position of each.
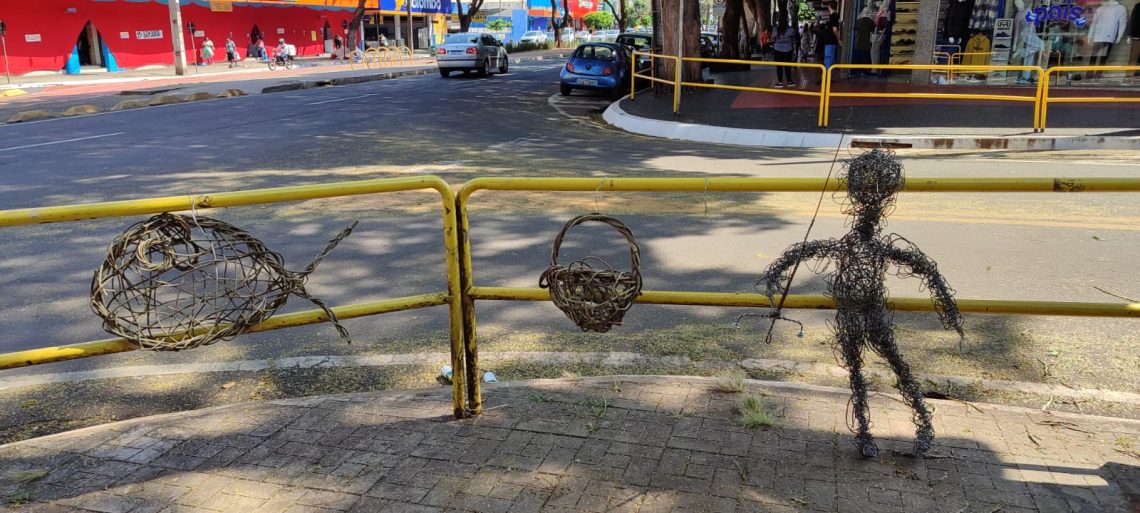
(461, 39)
(638, 41)
(601, 53)
(532, 33)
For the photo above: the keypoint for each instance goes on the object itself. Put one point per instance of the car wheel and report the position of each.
(504, 66)
(444, 72)
(564, 89)
(486, 69)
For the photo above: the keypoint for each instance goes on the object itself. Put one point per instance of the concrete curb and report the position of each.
(308, 84)
(31, 115)
(619, 118)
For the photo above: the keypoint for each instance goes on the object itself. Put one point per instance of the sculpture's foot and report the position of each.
(921, 445)
(867, 447)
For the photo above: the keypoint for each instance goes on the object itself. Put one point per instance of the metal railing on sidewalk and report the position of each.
(1040, 98)
(951, 69)
(1046, 98)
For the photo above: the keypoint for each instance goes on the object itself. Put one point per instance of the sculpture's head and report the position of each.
(873, 179)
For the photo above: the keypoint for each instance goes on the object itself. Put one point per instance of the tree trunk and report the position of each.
(730, 45)
(691, 43)
(619, 14)
(465, 17)
(557, 26)
(354, 25)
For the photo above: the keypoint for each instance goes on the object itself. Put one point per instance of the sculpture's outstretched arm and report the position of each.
(777, 273)
(913, 262)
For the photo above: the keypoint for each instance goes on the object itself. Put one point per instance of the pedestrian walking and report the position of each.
(208, 51)
(231, 51)
(262, 55)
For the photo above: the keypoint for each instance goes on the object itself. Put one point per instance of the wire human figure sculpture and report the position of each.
(863, 318)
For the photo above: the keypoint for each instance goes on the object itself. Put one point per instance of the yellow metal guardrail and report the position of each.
(676, 82)
(828, 82)
(1046, 99)
(452, 297)
(1040, 99)
(461, 290)
(471, 293)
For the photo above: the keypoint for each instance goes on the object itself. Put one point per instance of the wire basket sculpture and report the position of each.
(589, 291)
(864, 317)
(175, 282)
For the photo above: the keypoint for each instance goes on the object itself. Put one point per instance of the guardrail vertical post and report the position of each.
(677, 87)
(470, 361)
(826, 78)
(822, 97)
(1042, 100)
(632, 76)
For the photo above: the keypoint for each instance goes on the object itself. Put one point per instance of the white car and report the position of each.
(534, 37)
(469, 52)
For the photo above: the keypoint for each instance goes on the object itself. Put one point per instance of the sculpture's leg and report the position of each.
(850, 336)
(883, 340)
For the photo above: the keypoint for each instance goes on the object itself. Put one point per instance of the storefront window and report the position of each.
(1041, 33)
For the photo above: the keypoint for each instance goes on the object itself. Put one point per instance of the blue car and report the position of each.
(598, 67)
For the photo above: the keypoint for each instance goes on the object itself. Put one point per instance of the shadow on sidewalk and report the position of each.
(612, 444)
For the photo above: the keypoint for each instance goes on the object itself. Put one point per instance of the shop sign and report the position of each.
(148, 34)
(221, 5)
(32, 38)
(1059, 12)
(124, 35)
(427, 5)
(585, 4)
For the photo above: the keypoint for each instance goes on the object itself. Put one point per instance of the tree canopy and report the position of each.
(598, 20)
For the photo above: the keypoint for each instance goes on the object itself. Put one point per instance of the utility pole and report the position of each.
(411, 28)
(176, 37)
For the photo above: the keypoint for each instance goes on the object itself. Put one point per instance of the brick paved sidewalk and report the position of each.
(602, 444)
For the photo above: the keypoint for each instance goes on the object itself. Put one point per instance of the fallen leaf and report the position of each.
(229, 385)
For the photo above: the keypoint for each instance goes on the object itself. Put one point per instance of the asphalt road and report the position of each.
(1016, 246)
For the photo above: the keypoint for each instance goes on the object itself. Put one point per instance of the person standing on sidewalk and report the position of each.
(829, 35)
(783, 44)
(208, 51)
(231, 51)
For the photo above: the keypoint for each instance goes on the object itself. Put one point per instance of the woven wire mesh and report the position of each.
(175, 282)
(595, 298)
(862, 259)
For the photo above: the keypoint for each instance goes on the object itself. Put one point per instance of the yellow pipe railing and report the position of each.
(828, 80)
(653, 78)
(29, 216)
(471, 293)
(794, 92)
(821, 302)
(1046, 99)
(1040, 99)
(290, 320)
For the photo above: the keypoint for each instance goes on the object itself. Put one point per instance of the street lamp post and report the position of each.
(4, 42)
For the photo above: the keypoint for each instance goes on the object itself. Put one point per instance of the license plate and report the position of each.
(587, 82)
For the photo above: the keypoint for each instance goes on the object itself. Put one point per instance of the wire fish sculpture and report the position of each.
(595, 298)
(864, 319)
(176, 282)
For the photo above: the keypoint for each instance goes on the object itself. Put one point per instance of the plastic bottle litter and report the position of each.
(445, 371)
(489, 377)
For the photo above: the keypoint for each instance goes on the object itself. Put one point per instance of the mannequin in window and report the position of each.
(956, 26)
(1026, 43)
(882, 22)
(1106, 30)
